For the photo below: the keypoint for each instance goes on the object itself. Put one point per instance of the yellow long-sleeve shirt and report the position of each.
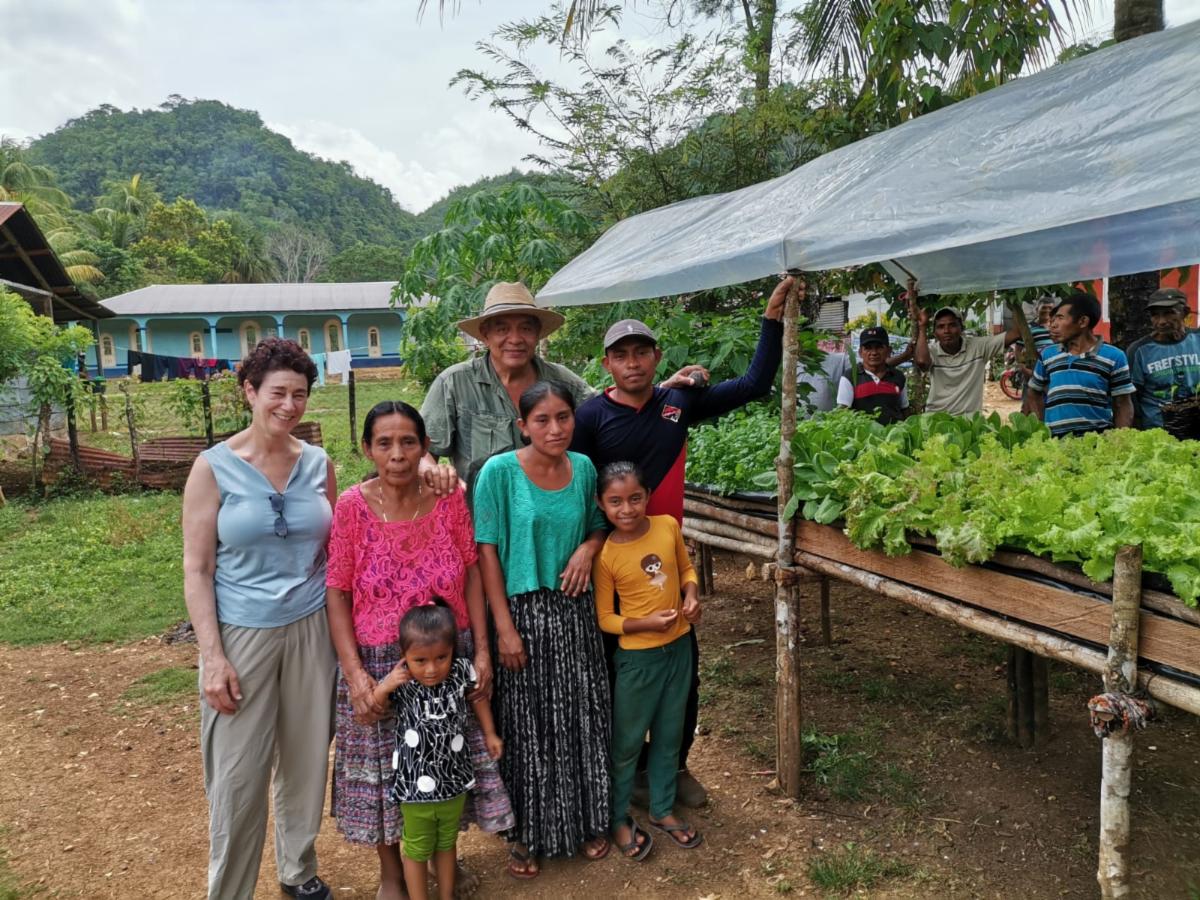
(648, 574)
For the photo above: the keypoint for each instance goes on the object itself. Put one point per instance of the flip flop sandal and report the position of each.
(523, 858)
(643, 850)
(671, 830)
(596, 857)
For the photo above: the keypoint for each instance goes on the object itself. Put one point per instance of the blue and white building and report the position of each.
(225, 321)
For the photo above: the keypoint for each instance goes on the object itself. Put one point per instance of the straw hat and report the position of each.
(508, 298)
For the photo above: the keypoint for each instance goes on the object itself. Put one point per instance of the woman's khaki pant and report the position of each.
(279, 737)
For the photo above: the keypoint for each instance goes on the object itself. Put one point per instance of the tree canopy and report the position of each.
(226, 160)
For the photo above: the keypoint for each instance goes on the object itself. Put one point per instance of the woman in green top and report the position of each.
(538, 529)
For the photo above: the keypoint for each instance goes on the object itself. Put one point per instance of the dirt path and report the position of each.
(103, 799)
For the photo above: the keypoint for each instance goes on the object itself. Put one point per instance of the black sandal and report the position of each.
(643, 849)
(672, 830)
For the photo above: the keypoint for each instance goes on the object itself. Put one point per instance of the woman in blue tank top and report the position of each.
(256, 514)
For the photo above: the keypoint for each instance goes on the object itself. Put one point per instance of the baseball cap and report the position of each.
(874, 335)
(628, 328)
(947, 309)
(1166, 297)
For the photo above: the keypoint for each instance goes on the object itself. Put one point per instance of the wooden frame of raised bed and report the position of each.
(1002, 600)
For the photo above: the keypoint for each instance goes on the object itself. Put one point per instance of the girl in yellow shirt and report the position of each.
(645, 563)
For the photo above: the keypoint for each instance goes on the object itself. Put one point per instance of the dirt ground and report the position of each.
(101, 797)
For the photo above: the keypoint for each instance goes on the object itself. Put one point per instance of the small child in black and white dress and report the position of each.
(432, 760)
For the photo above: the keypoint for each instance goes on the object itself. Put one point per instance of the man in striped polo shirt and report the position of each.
(1081, 383)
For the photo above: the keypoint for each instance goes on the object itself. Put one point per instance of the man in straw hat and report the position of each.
(470, 411)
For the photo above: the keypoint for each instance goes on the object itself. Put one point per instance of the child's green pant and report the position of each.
(431, 827)
(650, 695)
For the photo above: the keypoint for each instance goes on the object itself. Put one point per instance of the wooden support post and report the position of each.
(92, 400)
(789, 751)
(1024, 698)
(133, 439)
(1010, 671)
(1120, 676)
(206, 405)
(73, 432)
(826, 622)
(1041, 701)
(103, 413)
(1028, 720)
(353, 413)
(706, 570)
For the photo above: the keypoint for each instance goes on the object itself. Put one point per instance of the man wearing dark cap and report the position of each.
(957, 363)
(1164, 365)
(874, 386)
(634, 420)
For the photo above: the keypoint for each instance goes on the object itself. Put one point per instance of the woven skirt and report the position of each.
(362, 765)
(554, 718)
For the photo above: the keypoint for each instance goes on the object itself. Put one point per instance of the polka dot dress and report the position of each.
(432, 761)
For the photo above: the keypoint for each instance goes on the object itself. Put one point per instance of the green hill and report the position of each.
(227, 161)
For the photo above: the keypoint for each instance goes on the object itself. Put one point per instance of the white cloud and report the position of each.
(58, 60)
(465, 150)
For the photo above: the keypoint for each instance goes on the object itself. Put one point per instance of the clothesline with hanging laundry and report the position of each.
(154, 367)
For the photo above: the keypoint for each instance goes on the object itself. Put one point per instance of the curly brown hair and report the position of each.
(273, 355)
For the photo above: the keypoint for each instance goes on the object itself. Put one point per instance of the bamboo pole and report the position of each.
(789, 752)
(712, 526)
(766, 527)
(1174, 693)
(1120, 676)
(759, 551)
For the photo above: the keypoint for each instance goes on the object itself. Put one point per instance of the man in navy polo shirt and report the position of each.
(636, 421)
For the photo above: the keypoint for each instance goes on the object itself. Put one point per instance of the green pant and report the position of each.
(650, 695)
(430, 827)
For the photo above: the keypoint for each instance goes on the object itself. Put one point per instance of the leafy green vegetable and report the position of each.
(976, 483)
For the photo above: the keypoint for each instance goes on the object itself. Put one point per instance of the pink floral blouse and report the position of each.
(393, 566)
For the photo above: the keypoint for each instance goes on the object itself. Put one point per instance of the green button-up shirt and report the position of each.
(470, 418)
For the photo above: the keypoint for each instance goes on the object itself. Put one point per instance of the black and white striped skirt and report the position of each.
(554, 718)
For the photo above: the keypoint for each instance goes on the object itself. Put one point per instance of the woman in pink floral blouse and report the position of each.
(395, 545)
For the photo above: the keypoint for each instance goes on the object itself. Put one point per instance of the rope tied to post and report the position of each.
(1116, 713)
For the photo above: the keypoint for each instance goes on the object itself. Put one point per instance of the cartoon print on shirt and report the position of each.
(652, 566)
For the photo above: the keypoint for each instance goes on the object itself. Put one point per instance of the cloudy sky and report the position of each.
(360, 80)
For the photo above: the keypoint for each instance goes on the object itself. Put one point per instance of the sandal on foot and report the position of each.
(596, 856)
(643, 849)
(518, 863)
(672, 830)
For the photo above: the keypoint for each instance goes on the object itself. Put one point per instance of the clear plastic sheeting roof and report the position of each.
(1084, 170)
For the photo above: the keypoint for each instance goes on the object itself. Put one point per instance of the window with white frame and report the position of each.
(250, 335)
(304, 340)
(196, 342)
(135, 339)
(373, 348)
(333, 335)
(108, 352)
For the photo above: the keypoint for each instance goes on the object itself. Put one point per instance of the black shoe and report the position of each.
(313, 889)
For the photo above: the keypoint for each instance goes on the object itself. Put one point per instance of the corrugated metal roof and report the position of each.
(29, 266)
(201, 299)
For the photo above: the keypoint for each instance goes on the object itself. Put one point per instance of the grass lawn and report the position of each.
(90, 569)
(98, 568)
